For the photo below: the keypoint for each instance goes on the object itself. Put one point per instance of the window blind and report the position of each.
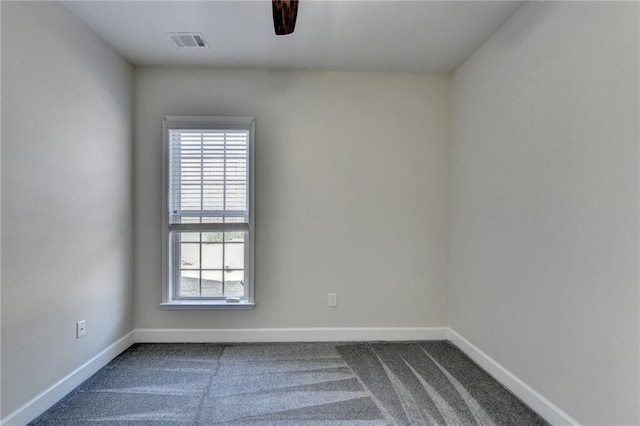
(208, 176)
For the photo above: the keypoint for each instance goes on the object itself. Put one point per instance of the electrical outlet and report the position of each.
(333, 300)
(81, 329)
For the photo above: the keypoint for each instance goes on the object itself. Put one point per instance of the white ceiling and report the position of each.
(369, 35)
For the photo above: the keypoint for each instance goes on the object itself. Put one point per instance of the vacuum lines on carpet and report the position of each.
(381, 383)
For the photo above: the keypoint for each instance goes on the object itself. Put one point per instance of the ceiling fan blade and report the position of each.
(284, 16)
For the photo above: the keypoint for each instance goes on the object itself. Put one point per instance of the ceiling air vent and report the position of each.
(188, 40)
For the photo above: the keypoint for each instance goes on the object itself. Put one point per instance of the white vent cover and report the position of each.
(188, 40)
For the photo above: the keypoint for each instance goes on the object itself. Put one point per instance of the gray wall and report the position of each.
(351, 194)
(66, 197)
(544, 225)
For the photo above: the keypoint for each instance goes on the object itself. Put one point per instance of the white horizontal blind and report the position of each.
(208, 176)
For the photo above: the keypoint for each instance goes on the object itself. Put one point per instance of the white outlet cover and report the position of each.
(333, 299)
(81, 328)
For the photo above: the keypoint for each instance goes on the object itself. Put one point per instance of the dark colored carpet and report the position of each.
(414, 383)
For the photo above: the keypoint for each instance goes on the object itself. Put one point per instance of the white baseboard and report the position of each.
(528, 395)
(154, 335)
(58, 390)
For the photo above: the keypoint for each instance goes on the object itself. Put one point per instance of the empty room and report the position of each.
(320, 212)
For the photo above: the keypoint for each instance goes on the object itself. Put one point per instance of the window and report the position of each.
(208, 211)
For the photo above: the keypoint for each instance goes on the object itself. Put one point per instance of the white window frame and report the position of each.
(169, 300)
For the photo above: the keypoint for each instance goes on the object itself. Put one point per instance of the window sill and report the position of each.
(206, 304)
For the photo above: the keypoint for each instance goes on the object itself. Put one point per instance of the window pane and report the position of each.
(190, 256)
(190, 237)
(189, 283)
(212, 283)
(234, 283)
(212, 256)
(212, 237)
(234, 236)
(234, 256)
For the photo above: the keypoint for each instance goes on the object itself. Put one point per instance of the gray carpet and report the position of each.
(413, 383)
